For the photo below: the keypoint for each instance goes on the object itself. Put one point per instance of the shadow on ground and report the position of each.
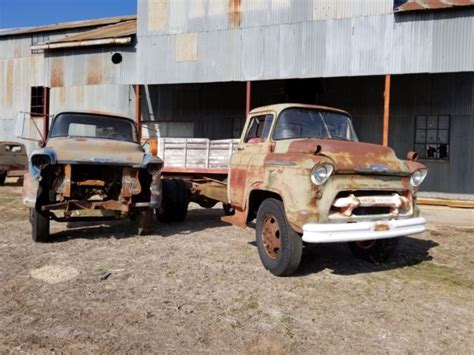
(338, 258)
(197, 220)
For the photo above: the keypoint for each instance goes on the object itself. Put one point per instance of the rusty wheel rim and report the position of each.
(366, 244)
(271, 236)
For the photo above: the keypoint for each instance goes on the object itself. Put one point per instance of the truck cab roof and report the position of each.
(280, 107)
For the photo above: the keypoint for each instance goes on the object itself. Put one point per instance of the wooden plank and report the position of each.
(445, 202)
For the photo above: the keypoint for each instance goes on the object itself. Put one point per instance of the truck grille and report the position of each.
(360, 205)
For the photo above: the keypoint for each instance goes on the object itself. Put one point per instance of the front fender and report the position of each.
(30, 190)
(148, 158)
(34, 171)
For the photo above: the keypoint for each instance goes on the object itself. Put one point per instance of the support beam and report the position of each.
(248, 98)
(386, 110)
(45, 113)
(138, 110)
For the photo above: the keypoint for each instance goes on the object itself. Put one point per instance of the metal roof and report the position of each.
(416, 5)
(122, 29)
(71, 25)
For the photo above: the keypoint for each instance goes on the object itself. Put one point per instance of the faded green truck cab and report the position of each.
(91, 167)
(301, 171)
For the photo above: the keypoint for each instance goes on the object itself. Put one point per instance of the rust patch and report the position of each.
(235, 13)
(94, 71)
(9, 88)
(80, 95)
(57, 73)
(62, 96)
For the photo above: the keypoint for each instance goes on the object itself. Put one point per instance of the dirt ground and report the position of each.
(199, 287)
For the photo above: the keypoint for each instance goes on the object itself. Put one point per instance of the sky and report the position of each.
(26, 13)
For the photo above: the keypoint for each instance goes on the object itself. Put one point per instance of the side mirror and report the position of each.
(20, 124)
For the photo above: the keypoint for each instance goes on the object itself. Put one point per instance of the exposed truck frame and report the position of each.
(311, 189)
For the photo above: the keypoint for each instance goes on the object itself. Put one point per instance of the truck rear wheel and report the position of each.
(40, 226)
(175, 201)
(3, 177)
(279, 246)
(374, 250)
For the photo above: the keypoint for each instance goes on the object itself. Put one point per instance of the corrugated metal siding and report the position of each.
(413, 95)
(80, 79)
(216, 15)
(117, 99)
(368, 45)
(91, 66)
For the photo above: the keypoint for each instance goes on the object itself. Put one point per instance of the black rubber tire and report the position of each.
(142, 222)
(182, 201)
(291, 245)
(3, 177)
(229, 210)
(175, 203)
(169, 201)
(40, 226)
(380, 251)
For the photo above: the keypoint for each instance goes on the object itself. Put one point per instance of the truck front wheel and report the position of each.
(374, 250)
(40, 226)
(279, 246)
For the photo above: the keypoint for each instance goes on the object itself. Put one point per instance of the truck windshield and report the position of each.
(295, 123)
(93, 126)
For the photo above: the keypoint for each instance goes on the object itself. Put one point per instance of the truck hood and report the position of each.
(96, 151)
(352, 157)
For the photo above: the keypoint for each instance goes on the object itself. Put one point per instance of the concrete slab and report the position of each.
(455, 217)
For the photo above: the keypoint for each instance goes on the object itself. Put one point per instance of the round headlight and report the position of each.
(40, 161)
(417, 177)
(321, 173)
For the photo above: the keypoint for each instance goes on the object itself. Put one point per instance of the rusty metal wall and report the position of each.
(83, 79)
(285, 39)
(168, 16)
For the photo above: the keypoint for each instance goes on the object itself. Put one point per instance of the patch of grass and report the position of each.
(252, 303)
(440, 274)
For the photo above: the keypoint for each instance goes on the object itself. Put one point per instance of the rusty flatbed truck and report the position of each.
(91, 167)
(302, 173)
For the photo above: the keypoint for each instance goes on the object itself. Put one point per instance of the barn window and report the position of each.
(432, 137)
(38, 101)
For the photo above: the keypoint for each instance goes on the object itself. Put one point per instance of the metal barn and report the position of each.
(192, 68)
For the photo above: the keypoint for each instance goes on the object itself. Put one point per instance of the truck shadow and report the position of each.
(338, 258)
(197, 220)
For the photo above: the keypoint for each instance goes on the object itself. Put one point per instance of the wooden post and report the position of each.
(138, 111)
(248, 98)
(386, 110)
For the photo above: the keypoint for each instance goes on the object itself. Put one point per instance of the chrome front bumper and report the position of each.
(360, 231)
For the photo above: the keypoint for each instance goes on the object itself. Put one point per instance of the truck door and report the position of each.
(246, 166)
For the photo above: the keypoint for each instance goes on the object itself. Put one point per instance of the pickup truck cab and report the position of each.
(91, 167)
(302, 173)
